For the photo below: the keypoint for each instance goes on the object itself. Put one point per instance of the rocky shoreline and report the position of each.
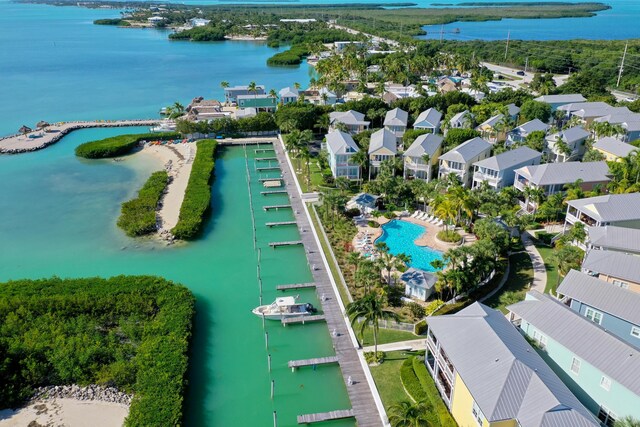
(91, 392)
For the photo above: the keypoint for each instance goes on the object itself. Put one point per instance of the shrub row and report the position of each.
(292, 56)
(410, 381)
(115, 21)
(197, 197)
(138, 216)
(433, 396)
(200, 34)
(118, 145)
(449, 236)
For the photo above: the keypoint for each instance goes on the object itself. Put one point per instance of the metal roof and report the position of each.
(612, 207)
(557, 99)
(570, 135)
(424, 144)
(565, 173)
(588, 341)
(467, 150)
(460, 117)
(431, 116)
(615, 238)
(504, 374)
(586, 107)
(616, 264)
(288, 92)
(396, 117)
(531, 126)
(510, 159)
(492, 121)
(350, 117)
(383, 138)
(420, 278)
(513, 109)
(614, 146)
(341, 142)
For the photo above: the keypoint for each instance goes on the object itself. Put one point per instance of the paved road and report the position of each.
(528, 76)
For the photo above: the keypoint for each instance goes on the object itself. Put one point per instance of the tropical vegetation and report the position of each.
(138, 215)
(119, 145)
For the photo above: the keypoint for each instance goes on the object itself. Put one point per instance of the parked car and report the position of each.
(520, 73)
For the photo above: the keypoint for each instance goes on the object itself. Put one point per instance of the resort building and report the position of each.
(599, 368)
(499, 171)
(429, 120)
(612, 307)
(288, 95)
(231, 93)
(617, 268)
(340, 149)
(613, 149)
(463, 120)
(493, 129)
(460, 160)
(520, 134)
(572, 140)
(612, 238)
(396, 121)
(353, 121)
(382, 147)
(489, 376)
(422, 156)
(259, 102)
(201, 109)
(418, 284)
(557, 101)
(622, 210)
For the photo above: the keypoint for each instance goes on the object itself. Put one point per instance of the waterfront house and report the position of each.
(200, 109)
(460, 160)
(557, 101)
(612, 307)
(382, 147)
(494, 128)
(199, 22)
(396, 121)
(572, 140)
(489, 376)
(462, 120)
(243, 113)
(429, 120)
(340, 150)
(499, 171)
(520, 133)
(612, 238)
(613, 149)
(418, 284)
(231, 93)
(322, 96)
(599, 368)
(353, 121)
(422, 156)
(553, 177)
(619, 269)
(622, 210)
(288, 95)
(259, 102)
(342, 45)
(156, 20)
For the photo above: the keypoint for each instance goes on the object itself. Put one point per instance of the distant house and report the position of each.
(520, 133)
(617, 268)
(587, 112)
(259, 102)
(513, 111)
(342, 45)
(156, 20)
(201, 109)
(612, 238)
(231, 93)
(499, 171)
(340, 150)
(600, 369)
(613, 149)
(628, 120)
(429, 120)
(199, 22)
(243, 113)
(489, 376)
(364, 202)
(382, 147)
(352, 120)
(493, 129)
(463, 120)
(415, 165)
(396, 121)
(557, 101)
(447, 84)
(574, 138)
(460, 160)
(288, 95)
(476, 94)
(418, 284)
(622, 210)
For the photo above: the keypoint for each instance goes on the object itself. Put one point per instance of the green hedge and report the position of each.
(131, 332)
(410, 381)
(449, 236)
(115, 21)
(200, 34)
(138, 216)
(433, 396)
(292, 56)
(118, 145)
(197, 197)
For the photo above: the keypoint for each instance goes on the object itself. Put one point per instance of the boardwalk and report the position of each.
(361, 396)
(39, 139)
(326, 416)
(276, 207)
(288, 243)
(295, 286)
(303, 319)
(293, 364)
(277, 224)
(266, 193)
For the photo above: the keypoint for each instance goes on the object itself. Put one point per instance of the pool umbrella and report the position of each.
(24, 129)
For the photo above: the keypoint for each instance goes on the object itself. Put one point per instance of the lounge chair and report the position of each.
(440, 222)
(435, 220)
(421, 216)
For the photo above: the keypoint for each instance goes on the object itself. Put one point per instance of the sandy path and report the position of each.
(66, 412)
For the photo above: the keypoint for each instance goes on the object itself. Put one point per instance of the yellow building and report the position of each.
(489, 376)
(613, 149)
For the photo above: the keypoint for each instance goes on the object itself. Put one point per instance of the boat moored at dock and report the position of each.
(282, 308)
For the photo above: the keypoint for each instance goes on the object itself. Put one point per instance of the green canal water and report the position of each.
(58, 215)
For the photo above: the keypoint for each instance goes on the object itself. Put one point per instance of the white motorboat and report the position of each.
(282, 308)
(164, 126)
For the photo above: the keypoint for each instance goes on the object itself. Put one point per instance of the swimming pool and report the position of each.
(399, 237)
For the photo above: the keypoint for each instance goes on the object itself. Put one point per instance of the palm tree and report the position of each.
(427, 161)
(627, 421)
(371, 309)
(224, 85)
(296, 85)
(361, 159)
(446, 211)
(253, 88)
(406, 414)
(535, 194)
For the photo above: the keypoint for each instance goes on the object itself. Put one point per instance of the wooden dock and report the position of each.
(295, 286)
(266, 159)
(289, 243)
(293, 364)
(266, 193)
(277, 224)
(268, 168)
(279, 178)
(326, 416)
(276, 207)
(263, 150)
(303, 319)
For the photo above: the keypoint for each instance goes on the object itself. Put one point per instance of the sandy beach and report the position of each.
(66, 412)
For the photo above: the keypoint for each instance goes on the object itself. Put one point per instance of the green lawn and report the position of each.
(316, 175)
(552, 270)
(387, 378)
(517, 284)
(385, 336)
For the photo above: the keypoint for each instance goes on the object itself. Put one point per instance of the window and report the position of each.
(593, 315)
(477, 413)
(635, 331)
(575, 366)
(540, 339)
(621, 284)
(607, 417)
(605, 383)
